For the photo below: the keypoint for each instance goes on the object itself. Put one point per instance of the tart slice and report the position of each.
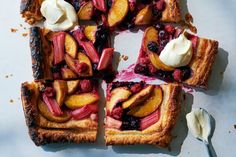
(61, 111)
(139, 113)
(174, 55)
(124, 12)
(71, 55)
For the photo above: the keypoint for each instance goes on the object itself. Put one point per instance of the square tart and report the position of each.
(70, 55)
(70, 123)
(137, 124)
(169, 11)
(195, 74)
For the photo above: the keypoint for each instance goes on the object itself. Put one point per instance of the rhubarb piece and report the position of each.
(105, 59)
(138, 98)
(84, 112)
(82, 58)
(58, 47)
(90, 33)
(60, 87)
(72, 86)
(113, 123)
(71, 45)
(44, 111)
(144, 16)
(52, 105)
(90, 51)
(86, 11)
(68, 74)
(150, 120)
(118, 95)
(100, 5)
(118, 11)
(86, 86)
(79, 100)
(150, 105)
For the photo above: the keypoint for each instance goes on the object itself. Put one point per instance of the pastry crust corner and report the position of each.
(171, 12)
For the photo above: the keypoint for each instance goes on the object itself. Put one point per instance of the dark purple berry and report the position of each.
(75, 4)
(156, 13)
(130, 123)
(159, 26)
(152, 46)
(186, 72)
(141, 69)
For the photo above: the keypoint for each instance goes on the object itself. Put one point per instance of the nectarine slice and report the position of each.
(68, 74)
(150, 34)
(70, 45)
(60, 87)
(144, 16)
(83, 58)
(89, 32)
(72, 86)
(86, 11)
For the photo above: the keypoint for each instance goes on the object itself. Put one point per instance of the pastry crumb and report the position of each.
(21, 25)
(124, 57)
(24, 34)
(229, 132)
(14, 30)
(235, 126)
(6, 76)
(11, 100)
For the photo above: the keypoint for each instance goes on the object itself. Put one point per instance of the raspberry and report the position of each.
(178, 75)
(136, 88)
(86, 86)
(117, 113)
(81, 67)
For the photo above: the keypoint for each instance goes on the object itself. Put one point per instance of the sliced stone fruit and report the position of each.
(138, 98)
(144, 16)
(79, 100)
(150, 35)
(89, 32)
(82, 58)
(61, 90)
(113, 123)
(118, 11)
(157, 63)
(106, 58)
(44, 111)
(118, 95)
(100, 5)
(86, 11)
(149, 106)
(70, 45)
(150, 120)
(85, 111)
(72, 86)
(68, 74)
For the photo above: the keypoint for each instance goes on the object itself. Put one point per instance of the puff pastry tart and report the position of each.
(117, 12)
(139, 113)
(61, 111)
(71, 55)
(176, 56)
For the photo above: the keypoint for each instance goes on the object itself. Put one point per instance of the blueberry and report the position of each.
(130, 123)
(152, 46)
(76, 4)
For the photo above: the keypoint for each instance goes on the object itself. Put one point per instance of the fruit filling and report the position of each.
(82, 53)
(133, 105)
(62, 100)
(170, 44)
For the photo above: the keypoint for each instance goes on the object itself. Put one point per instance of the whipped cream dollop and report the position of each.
(178, 52)
(60, 15)
(199, 124)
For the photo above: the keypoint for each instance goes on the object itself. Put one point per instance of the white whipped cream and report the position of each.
(199, 124)
(60, 15)
(177, 53)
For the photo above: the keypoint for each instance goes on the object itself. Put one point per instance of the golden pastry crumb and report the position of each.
(124, 57)
(11, 101)
(13, 30)
(21, 25)
(235, 126)
(6, 76)
(24, 34)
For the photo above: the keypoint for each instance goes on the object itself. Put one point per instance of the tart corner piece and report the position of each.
(148, 122)
(172, 12)
(45, 128)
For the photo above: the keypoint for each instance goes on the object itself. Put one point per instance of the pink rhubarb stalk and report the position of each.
(113, 123)
(150, 120)
(85, 111)
(52, 105)
(105, 59)
(58, 47)
(100, 5)
(90, 51)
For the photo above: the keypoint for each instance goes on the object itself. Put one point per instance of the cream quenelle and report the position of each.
(178, 52)
(60, 15)
(199, 124)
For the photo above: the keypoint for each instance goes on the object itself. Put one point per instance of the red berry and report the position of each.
(136, 88)
(117, 113)
(81, 67)
(49, 92)
(178, 75)
(170, 28)
(86, 86)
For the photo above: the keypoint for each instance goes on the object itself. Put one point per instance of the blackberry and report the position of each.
(159, 26)
(76, 4)
(157, 14)
(152, 46)
(101, 36)
(186, 72)
(55, 68)
(145, 1)
(109, 4)
(130, 123)
(165, 75)
(141, 69)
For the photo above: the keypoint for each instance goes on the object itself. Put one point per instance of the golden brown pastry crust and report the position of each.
(158, 134)
(171, 12)
(202, 62)
(43, 131)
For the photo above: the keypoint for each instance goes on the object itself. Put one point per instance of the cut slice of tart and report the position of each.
(140, 113)
(117, 12)
(71, 55)
(61, 111)
(174, 55)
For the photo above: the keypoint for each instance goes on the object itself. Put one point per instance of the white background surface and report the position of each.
(214, 19)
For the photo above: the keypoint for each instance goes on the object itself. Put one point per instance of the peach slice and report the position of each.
(149, 106)
(106, 58)
(86, 11)
(118, 95)
(61, 89)
(82, 58)
(118, 11)
(70, 45)
(89, 32)
(48, 115)
(139, 97)
(72, 86)
(79, 100)
(157, 63)
(68, 74)
(150, 34)
(144, 16)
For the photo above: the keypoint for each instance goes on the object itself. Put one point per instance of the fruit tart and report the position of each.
(125, 13)
(61, 111)
(174, 55)
(140, 113)
(71, 55)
